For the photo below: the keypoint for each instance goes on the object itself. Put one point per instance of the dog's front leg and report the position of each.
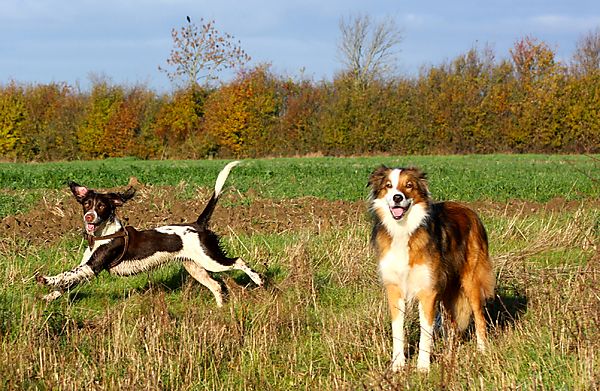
(427, 311)
(66, 280)
(397, 306)
(93, 262)
(86, 256)
(52, 296)
(57, 293)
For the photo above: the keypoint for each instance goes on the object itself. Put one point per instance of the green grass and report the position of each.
(321, 321)
(537, 178)
(469, 178)
(17, 201)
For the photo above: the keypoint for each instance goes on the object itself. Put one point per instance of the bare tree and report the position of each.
(199, 53)
(368, 49)
(587, 55)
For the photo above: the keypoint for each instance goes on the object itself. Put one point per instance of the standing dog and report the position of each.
(126, 251)
(429, 251)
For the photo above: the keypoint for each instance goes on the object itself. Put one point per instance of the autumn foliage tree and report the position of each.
(117, 122)
(297, 130)
(178, 125)
(12, 117)
(53, 113)
(458, 104)
(586, 60)
(103, 103)
(241, 114)
(582, 111)
(200, 52)
(357, 119)
(127, 132)
(537, 96)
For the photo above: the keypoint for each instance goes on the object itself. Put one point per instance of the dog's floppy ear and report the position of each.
(78, 191)
(118, 199)
(378, 176)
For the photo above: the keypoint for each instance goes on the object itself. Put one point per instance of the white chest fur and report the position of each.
(394, 264)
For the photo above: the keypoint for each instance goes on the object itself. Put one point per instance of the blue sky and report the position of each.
(126, 40)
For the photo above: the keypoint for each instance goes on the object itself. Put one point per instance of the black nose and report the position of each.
(398, 198)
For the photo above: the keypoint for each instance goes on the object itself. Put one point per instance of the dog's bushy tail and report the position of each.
(461, 311)
(460, 307)
(206, 214)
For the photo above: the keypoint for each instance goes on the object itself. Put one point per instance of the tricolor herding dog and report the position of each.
(431, 251)
(126, 251)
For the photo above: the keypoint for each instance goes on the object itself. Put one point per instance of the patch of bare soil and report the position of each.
(58, 215)
(512, 207)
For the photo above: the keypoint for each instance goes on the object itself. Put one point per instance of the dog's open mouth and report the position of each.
(90, 228)
(397, 212)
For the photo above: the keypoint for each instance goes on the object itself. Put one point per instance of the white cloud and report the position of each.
(565, 23)
(411, 19)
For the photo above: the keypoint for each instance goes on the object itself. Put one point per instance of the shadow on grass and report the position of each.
(167, 283)
(507, 308)
(77, 296)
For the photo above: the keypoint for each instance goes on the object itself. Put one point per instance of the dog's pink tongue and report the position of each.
(90, 228)
(397, 212)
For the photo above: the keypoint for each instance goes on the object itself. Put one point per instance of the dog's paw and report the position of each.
(423, 365)
(255, 278)
(423, 368)
(398, 364)
(42, 280)
(52, 296)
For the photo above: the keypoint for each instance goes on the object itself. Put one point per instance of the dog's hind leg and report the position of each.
(228, 264)
(241, 265)
(475, 301)
(202, 276)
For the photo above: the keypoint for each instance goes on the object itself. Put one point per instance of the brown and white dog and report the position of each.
(434, 252)
(126, 251)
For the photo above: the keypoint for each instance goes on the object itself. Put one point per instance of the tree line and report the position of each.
(475, 103)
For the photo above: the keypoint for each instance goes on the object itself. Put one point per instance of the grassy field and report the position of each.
(490, 177)
(321, 321)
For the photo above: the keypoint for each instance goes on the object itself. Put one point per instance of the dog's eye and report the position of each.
(101, 206)
(409, 185)
(388, 185)
(87, 204)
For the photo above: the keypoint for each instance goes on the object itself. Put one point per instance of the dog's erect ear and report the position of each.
(78, 191)
(118, 199)
(378, 176)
